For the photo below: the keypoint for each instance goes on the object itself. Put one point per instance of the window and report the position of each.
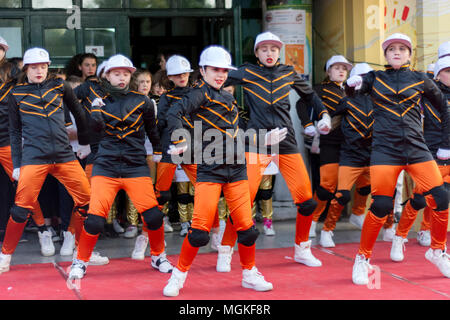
(12, 31)
(153, 4)
(184, 26)
(10, 4)
(60, 42)
(95, 4)
(53, 4)
(100, 41)
(198, 4)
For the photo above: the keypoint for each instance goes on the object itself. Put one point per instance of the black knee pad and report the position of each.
(94, 224)
(324, 194)
(83, 211)
(164, 197)
(184, 198)
(198, 238)
(440, 197)
(265, 194)
(153, 218)
(19, 214)
(307, 207)
(382, 206)
(343, 197)
(364, 191)
(418, 201)
(248, 237)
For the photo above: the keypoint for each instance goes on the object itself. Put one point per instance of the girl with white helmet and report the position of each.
(123, 116)
(40, 146)
(178, 70)
(218, 113)
(267, 86)
(399, 144)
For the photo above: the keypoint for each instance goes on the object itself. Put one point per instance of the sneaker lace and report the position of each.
(141, 242)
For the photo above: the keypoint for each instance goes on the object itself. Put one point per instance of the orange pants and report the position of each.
(140, 191)
(329, 179)
(32, 177)
(348, 176)
(297, 179)
(383, 178)
(206, 199)
(409, 214)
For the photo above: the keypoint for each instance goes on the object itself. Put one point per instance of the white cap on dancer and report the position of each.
(36, 55)
(268, 38)
(338, 59)
(216, 56)
(101, 67)
(444, 49)
(177, 65)
(119, 61)
(4, 44)
(397, 37)
(441, 64)
(360, 69)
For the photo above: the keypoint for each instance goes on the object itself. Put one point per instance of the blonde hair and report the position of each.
(134, 85)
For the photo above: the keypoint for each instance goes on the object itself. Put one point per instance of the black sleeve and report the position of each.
(163, 107)
(341, 108)
(235, 77)
(438, 100)
(151, 128)
(15, 132)
(71, 101)
(309, 98)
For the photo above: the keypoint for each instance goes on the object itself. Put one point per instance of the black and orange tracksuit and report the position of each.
(120, 163)
(354, 158)
(36, 115)
(399, 144)
(222, 168)
(165, 170)
(434, 136)
(267, 99)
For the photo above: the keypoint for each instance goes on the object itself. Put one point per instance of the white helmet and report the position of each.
(360, 69)
(101, 67)
(441, 64)
(444, 49)
(216, 56)
(268, 38)
(4, 44)
(397, 37)
(338, 59)
(119, 61)
(36, 55)
(177, 65)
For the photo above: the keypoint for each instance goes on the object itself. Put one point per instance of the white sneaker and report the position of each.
(326, 239)
(131, 232)
(215, 243)
(139, 247)
(161, 263)
(175, 283)
(360, 273)
(440, 259)
(398, 246)
(45, 240)
(312, 230)
(268, 228)
(304, 255)
(224, 259)
(167, 226)
(424, 238)
(184, 228)
(117, 227)
(5, 262)
(55, 236)
(388, 234)
(95, 260)
(78, 269)
(357, 221)
(68, 245)
(253, 279)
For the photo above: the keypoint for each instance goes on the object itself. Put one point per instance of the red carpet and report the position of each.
(125, 279)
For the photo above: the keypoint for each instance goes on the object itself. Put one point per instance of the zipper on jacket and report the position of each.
(53, 160)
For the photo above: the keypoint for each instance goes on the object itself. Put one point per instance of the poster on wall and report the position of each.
(291, 21)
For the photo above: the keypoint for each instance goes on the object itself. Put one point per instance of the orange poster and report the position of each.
(295, 56)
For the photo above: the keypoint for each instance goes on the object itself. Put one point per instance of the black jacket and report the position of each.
(356, 127)
(5, 88)
(220, 159)
(397, 131)
(36, 114)
(123, 121)
(432, 124)
(266, 93)
(165, 102)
